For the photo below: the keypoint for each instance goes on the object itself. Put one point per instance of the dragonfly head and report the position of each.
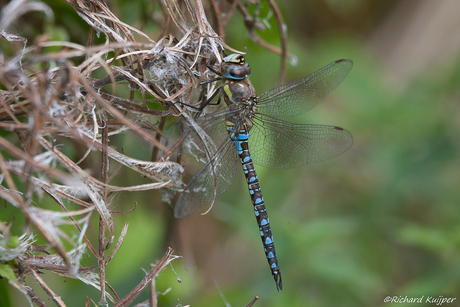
(235, 67)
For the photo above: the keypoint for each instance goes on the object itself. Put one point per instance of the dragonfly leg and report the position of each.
(208, 65)
(210, 80)
(207, 102)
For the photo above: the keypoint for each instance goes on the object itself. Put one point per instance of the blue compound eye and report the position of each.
(235, 67)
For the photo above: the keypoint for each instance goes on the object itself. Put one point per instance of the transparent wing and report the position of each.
(278, 144)
(300, 96)
(218, 173)
(210, 127)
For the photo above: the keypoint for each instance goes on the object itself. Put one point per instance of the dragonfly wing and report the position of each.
(208, 141)
(212, 179)
(302, 95)
(205, 134)
(279, 144)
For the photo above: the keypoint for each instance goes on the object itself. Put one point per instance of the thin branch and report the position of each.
(252, 302)
(153, 293)
(283, 37)
(131, 296)
(51, 294)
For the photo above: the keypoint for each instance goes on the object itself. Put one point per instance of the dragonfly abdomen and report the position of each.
(241, 143)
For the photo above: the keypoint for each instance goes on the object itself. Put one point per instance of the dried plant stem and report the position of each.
(253, 301)
(34, 297)
(283, 36)
(130, 297)
(153, 293)
(102, 243)
(47, 289)
(101, 261)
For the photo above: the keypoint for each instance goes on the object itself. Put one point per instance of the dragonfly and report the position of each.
(248, 129)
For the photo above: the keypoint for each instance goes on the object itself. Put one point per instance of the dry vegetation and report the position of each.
(48, 100)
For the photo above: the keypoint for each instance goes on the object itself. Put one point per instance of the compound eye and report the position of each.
(247, 68)
(238, 71)
(235, 67)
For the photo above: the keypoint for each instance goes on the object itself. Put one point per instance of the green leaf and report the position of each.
(7, 272)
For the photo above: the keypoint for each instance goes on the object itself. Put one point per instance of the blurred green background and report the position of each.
(380, 220)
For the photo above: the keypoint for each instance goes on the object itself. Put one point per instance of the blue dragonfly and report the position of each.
(248, 122)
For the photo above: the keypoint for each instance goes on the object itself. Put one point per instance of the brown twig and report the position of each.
(283, 37)
(102, 226)
(252, 302)
(131, 296)
(51, 294)
(34, 297)
(218, 18)
(153, 293)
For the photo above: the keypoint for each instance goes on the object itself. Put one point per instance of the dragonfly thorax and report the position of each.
(240, 92)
